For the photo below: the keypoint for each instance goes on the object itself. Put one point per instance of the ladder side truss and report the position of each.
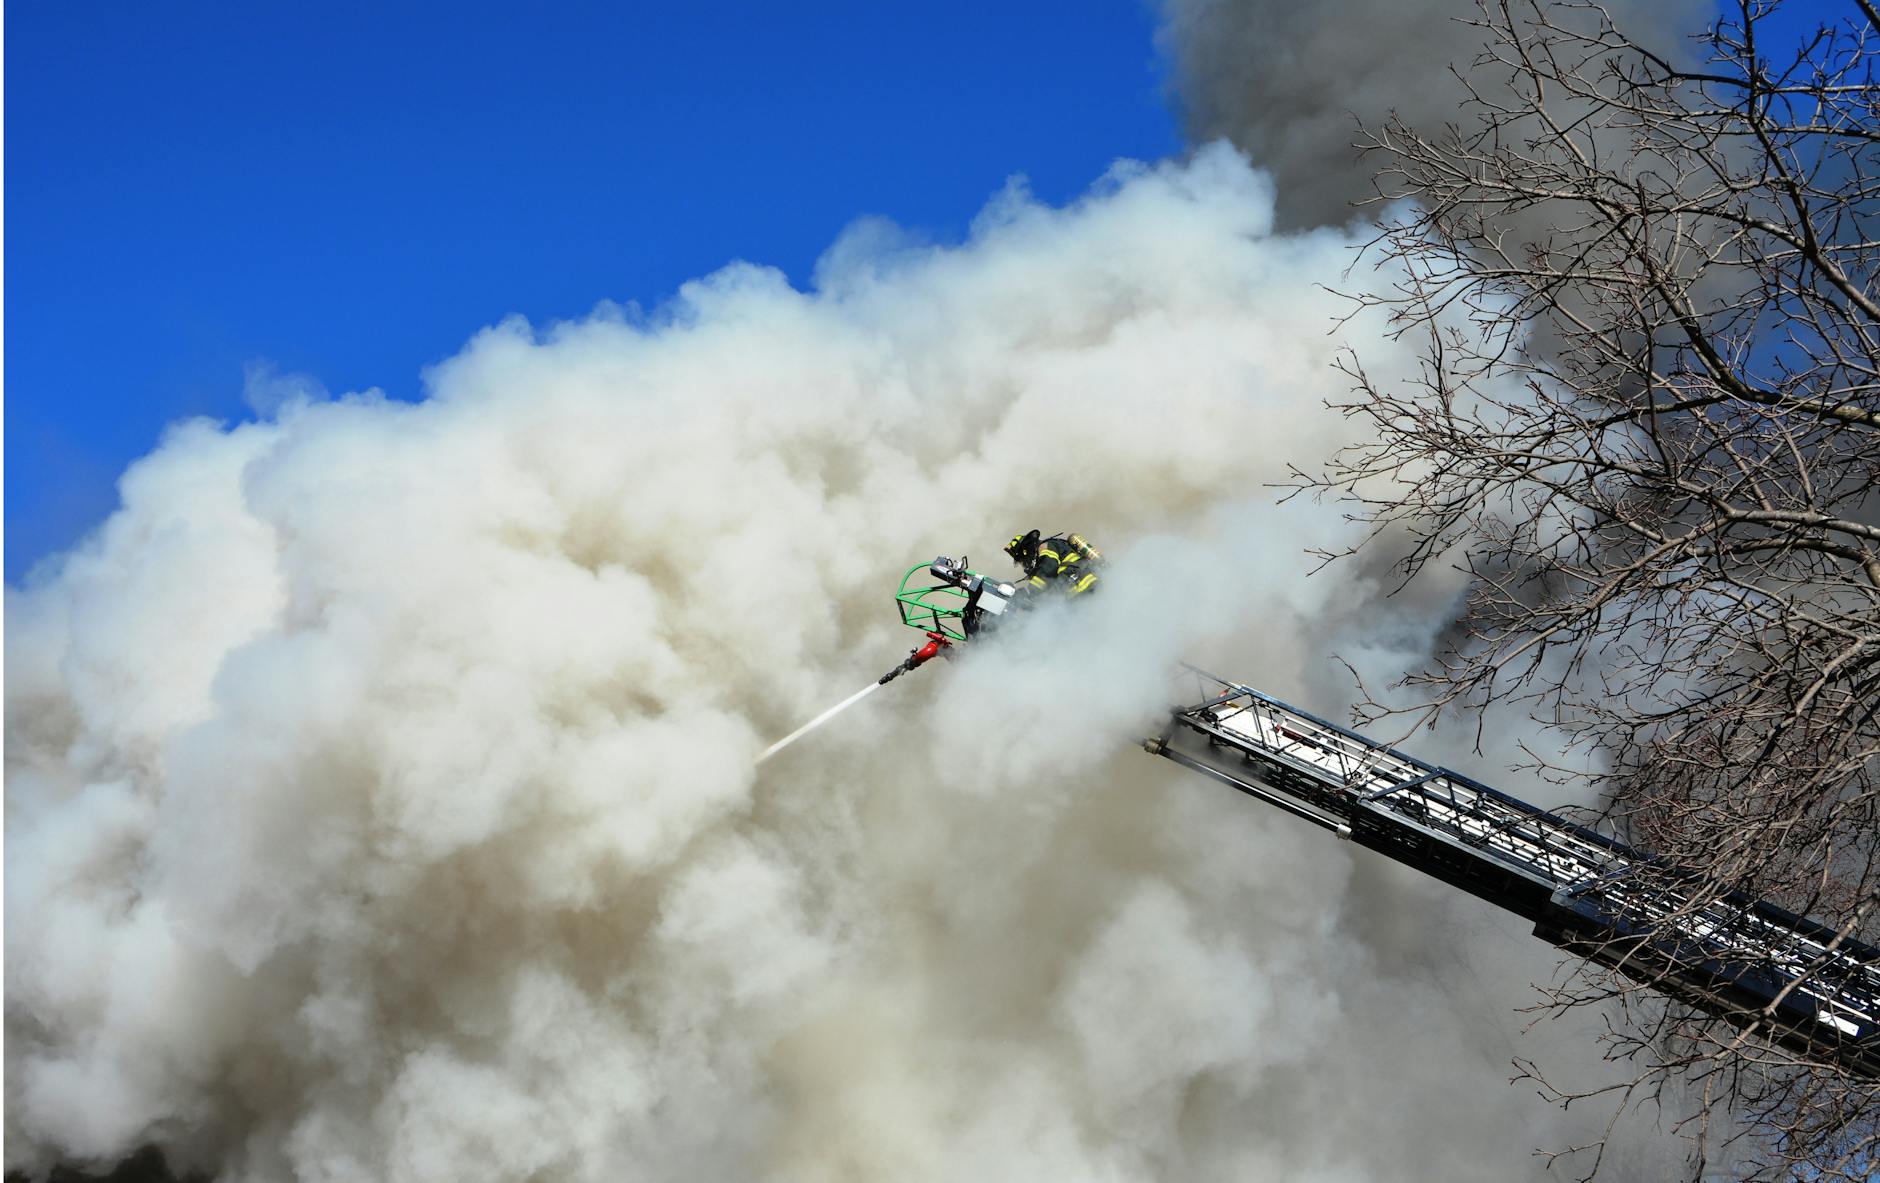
(1806, 987)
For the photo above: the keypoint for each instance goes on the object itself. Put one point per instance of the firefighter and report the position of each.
(1063, 562)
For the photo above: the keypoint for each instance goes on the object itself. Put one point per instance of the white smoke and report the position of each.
(380, 798)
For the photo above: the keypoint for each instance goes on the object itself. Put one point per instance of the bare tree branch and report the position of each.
(1648, 426)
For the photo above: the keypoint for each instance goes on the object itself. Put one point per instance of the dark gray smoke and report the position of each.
(1291, 83)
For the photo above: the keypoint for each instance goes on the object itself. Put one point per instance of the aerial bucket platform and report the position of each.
(956, 605)
(932, 608)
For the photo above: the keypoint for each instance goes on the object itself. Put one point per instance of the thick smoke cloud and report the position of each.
(380, 799)
(1292, 83)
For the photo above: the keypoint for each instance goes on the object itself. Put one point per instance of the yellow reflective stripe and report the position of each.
(1045, 553)
(1068, 559)
(1037, 581)
(1083, 585)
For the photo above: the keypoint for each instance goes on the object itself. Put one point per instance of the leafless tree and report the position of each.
(1648, 425)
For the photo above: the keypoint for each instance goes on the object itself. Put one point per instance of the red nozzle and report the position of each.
(918, 657)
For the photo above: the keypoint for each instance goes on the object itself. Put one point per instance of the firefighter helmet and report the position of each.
(1023, 548)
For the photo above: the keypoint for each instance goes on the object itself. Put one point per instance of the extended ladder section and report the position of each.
(1801, 984)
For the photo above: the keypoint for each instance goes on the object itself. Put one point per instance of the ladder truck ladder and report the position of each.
(1805, 986)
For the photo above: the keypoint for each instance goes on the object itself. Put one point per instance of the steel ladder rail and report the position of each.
(1716, 953)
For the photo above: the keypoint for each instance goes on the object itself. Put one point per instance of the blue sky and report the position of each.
(350, 190)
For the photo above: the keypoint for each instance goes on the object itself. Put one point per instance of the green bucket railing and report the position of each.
(937, 608)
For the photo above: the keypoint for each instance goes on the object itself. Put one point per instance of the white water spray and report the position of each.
(818, 721)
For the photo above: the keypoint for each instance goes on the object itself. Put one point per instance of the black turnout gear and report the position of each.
(1054, 562)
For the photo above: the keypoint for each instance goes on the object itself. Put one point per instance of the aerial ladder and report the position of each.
(1801, 985)
(1804, 986)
